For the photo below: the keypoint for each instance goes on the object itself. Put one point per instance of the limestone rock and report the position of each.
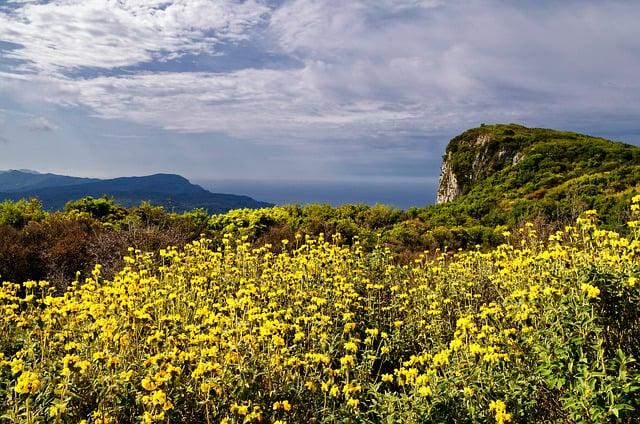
(448, 187)
(470, 158)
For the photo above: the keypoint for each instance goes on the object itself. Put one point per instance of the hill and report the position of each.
(23, 180)
(498, 174)
(171, 191)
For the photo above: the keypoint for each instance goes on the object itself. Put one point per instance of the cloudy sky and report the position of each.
(302, 90)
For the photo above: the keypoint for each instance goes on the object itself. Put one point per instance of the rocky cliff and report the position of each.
(448, 186)
(504, 174)
(474, 155)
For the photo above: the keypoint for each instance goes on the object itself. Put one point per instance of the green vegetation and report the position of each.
(495, 307)
(510, 173)
(38, 245)
(541, 331)
(556, 176)
(18, 214)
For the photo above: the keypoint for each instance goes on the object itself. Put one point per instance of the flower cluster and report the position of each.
(324, 332)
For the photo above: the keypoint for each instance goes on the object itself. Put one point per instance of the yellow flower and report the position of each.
(159, 397)
(16, 366)
(455, 344)
(351, 347)
(28, 382)
(82, 366)
(55, 410)
(387, 378)
(500, 410)
(239, 409)
(30, 284)
(347, 360)
(441, 358)
(149, 384)
(147, 418)
(590, 291)
(424, 391)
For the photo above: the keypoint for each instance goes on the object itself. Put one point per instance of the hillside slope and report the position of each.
(171, 191)
(502, 173)
(22, 180)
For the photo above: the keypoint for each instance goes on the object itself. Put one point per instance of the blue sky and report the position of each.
(297, 90)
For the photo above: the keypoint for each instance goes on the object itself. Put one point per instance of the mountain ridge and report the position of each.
(14, 180)
(172, 191)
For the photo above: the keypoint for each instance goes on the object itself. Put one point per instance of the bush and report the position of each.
(103, 209)
(18, 214)
(537, 331)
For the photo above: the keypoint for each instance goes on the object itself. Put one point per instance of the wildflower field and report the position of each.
(533, 331)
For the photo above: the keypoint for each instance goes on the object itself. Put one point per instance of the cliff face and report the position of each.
(448, 187)
(473, 156)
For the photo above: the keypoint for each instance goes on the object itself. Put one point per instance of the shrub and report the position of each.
(539, 331)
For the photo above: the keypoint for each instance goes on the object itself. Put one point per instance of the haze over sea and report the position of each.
(403, 193)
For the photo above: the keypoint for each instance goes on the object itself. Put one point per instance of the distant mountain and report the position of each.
(23, 180)
(173, 192)
(501, 173)
(26, 171)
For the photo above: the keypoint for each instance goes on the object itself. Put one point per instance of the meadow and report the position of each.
(544, 329)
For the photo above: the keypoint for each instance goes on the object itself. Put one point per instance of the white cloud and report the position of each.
(64, 34)
(388, 68)
(249, 103)
(472, 60)
(41, 124)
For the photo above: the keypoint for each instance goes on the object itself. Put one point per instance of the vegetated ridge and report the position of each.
(173, 192)
(498, 174)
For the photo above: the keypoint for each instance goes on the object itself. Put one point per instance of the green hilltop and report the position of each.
(502, 174)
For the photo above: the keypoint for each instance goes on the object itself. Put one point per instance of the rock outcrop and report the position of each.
(448, 187)
(473, 156)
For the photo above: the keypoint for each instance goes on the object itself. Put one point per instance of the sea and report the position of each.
(402, 194)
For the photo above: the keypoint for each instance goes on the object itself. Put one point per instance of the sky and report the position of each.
(303, 93)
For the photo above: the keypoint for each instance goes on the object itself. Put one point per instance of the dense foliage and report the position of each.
(54, 246)
(37, 245)
(509, 172)
(544, 330)
(491, 308)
